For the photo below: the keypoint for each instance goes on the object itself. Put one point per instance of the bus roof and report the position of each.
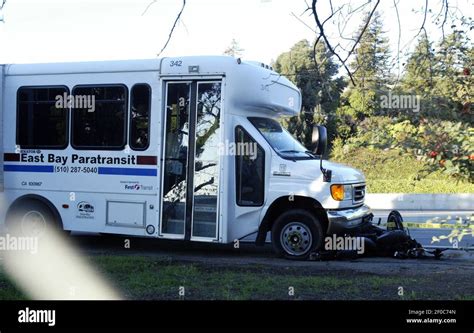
(217, 64)
(83, 67)
(254, 84)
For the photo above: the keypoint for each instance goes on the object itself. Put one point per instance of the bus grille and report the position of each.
(358, 193)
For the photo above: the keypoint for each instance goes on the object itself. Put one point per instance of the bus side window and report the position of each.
(250, 169)
(99, 117)
(140, 103)
(42, 122)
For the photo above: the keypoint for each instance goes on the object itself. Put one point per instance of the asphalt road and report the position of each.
(417, 225)
(433, 216)
(425, 235)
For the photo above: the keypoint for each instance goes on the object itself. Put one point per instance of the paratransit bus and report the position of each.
(185, 148)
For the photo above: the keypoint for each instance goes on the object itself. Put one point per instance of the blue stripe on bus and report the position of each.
(28, 168)
(127, 171)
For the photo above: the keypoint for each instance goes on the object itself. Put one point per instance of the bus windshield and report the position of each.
(280, 139)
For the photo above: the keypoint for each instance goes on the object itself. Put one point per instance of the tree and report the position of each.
(439, 78)
(454, 83)
(443, 13)
(420, 73)
(438, 134)
(313, 73)
(371, 70)
(234, 49)
(419, 77)
(329, 94)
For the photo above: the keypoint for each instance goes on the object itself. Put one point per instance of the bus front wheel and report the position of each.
(296, 234)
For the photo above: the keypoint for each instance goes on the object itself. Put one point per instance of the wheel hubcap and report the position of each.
(296, 238)
(33, 223)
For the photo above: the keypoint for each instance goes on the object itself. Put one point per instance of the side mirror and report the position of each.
(319, 140)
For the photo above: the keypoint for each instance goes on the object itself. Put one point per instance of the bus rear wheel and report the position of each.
(296, 234)
(31, 218)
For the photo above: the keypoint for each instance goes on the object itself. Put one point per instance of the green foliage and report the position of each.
(361, 102)
(319, 89)
(440, 132)
(441, 77)
(419, 69)
(371, 70)
(448, 146)
(392, 171)
(373, 132)
(454, 83)
(443, 145)
(437, 133)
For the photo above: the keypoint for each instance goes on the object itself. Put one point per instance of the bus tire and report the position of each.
(296, 234)
(31, 217)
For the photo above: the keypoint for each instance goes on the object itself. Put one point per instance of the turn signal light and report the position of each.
(337, 192)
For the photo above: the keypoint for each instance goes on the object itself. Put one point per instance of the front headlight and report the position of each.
(341, 192)
(347, 192)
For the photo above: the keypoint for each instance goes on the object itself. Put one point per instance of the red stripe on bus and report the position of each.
(11, 157)
(146, 160)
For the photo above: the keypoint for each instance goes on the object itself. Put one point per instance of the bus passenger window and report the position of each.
(41, 122)
(98, 122)
(140, 116)
(250, 169)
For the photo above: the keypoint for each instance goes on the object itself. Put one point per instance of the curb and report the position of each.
(403, 201)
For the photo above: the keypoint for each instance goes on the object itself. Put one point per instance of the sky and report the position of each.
(81, 30)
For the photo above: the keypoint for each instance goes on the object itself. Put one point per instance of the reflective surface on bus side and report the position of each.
(176, 158)
(206, 163)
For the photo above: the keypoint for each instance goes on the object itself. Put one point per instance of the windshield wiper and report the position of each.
(307, 152)
(311, 154)
(291, 151)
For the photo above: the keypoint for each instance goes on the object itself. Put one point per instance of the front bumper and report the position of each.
(348, 220)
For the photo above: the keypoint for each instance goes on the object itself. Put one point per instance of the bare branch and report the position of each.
(328, 44)
(308, 7)
(422, 27)
(303, 22)
(395, 4)
(344, 46)
(369, 18)
(445, 2)
(322, 35)
(2, 4)
(424, 19)
(172, 28)
(147, 7)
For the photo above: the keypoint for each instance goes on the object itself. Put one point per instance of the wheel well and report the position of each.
(38, 198)
(285, 203)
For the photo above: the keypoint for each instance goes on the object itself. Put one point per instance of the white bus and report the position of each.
(185, 148)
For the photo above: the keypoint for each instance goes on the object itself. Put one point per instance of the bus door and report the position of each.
(190, 161)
